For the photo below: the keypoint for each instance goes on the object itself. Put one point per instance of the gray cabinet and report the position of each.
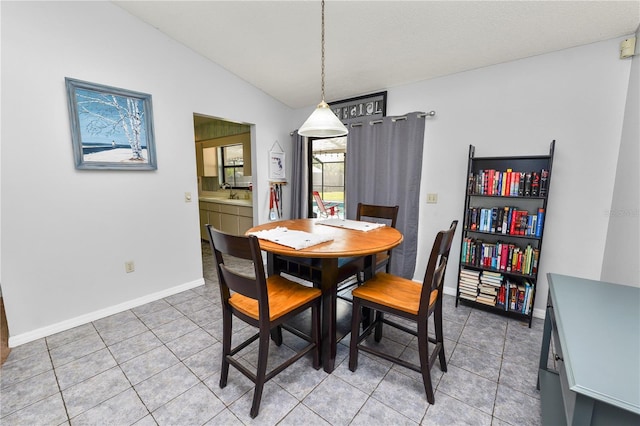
(594, 330)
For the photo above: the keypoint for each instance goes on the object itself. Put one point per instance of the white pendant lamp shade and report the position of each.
(322, 123)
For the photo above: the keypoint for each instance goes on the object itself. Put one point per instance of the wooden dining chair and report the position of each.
(265, 303)
(387, 293)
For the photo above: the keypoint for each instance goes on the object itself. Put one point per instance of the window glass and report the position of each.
(233, 165)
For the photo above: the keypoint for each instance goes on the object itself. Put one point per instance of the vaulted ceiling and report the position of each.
(375, 45)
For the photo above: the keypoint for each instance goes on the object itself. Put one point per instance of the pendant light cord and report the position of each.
(322, 41)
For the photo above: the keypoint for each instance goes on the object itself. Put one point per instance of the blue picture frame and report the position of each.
(111, 128)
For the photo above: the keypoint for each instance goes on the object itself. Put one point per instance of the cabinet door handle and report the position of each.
(557, 357)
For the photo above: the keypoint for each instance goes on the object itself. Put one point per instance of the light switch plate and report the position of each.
(432, 198)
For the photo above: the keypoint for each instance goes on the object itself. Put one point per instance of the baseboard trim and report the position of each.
(49, 330)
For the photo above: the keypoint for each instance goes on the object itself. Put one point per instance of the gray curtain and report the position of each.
(299, 183)
(383, 166)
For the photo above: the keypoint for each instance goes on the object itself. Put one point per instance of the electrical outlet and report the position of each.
(432, 198)
(129, 266)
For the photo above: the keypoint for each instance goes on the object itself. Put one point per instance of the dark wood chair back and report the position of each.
(242, 247)
(437, 267)
(389, 216)
(390, 213)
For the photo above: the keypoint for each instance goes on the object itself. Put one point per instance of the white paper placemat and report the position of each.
(295, 239)
(358, 225)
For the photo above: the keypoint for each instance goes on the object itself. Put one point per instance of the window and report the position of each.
(327, 172)
(233, 165)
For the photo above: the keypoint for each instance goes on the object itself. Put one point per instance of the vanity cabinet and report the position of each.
(230, 218)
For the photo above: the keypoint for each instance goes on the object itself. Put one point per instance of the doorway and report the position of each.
(223, 153)
(224, 174)
(326, 165)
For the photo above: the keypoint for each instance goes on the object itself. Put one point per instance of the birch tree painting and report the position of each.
(111, 127)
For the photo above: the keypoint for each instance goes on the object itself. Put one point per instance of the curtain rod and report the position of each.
(394, 119)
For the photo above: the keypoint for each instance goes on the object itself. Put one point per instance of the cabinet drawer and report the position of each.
(229, 223)
(244, 224)
(212, 207)
(245, 211)
(229, 209)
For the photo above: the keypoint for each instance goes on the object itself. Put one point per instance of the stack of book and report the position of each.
(490, 283)
(469, 282)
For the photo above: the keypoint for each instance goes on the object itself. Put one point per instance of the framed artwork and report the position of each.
(355, 109)
(277, 164)
(111, 128)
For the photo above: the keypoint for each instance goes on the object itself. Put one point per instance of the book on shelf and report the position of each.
(467, 297)
(526, 298)
(539, 221)
(544, 182)
(521, 184)
(535, 184)
(527, 184)
(471, 184)
(521, 293)
(493, 220)
(470, 272)
(490, 277)
(506, 220)
(490, 301)
(469, 287)
(506, 189)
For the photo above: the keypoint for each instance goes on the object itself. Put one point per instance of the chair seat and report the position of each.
(393, 291)
(284, 297)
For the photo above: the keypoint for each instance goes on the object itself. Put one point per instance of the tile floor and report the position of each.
(159, 364)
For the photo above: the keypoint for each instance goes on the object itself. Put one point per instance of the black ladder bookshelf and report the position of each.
(504, 217)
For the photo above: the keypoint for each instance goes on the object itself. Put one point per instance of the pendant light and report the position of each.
(322, 122)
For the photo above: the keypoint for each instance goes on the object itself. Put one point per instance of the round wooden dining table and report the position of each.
(345, 243)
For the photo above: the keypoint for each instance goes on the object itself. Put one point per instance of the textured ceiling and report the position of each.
(375, 45)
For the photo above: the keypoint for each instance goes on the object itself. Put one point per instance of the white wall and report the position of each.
(576, 97)
(67, 233)
(621, 262)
